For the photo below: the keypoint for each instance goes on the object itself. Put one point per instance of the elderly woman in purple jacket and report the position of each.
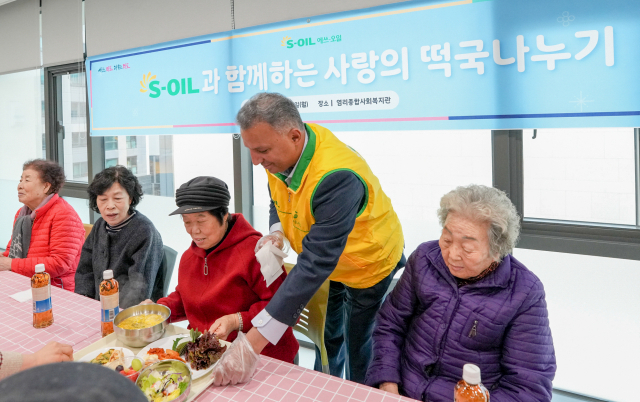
(466, 299)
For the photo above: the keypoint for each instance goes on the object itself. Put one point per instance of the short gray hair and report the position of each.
(272, 108)
(485, 204)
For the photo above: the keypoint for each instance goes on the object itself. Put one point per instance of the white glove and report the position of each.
(237, 364)
(277, 239)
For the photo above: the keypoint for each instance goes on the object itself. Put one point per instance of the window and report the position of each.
(132, 164)
(149, 157)
(584, 174)
(131, 142)
(111, 143)
(577, 188)
(67, 126)
(79, 140)
(78, 109)
(80, 171)
(77, 81)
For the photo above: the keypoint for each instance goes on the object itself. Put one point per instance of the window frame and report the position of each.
(54, 135)
(584, 238)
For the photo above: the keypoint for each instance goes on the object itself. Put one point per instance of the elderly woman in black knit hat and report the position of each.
(220, 286)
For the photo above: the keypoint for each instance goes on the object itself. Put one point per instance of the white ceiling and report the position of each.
(3, 2)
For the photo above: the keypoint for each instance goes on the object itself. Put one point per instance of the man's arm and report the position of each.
(335, 204)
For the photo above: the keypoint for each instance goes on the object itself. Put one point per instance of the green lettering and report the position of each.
(173, 87)
(289, 43)
(300, 42)
(184, 87)
(153, 87)
(311, 42)
(191, 90)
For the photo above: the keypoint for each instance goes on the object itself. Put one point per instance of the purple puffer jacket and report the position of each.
(427, 329)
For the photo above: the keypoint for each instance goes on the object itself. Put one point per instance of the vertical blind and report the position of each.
(19, 36)
(114, 25)
(61, 32)
(249, 13)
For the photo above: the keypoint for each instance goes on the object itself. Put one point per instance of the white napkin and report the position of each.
(23, 296)
(270, 258)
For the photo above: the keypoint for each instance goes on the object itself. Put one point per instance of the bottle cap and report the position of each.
(471, 374)
(39, 268)
(108, 274)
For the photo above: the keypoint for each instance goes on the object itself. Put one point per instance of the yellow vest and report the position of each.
(375, 245)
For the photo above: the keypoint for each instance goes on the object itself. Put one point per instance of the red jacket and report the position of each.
(234, 284)
(57, 236)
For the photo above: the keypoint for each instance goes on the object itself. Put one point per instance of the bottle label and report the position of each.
(110, 307)
(41, 299)
(109, 314)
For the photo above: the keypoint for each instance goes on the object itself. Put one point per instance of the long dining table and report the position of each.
(77, 323)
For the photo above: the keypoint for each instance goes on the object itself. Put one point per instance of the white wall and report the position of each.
(593, 309)
(21, 129)
(9, 204)
(81, 206)
(415, 169)
(157, 209)
(193, 155)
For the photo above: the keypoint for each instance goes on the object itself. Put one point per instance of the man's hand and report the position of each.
(224, 325)
(52, 352)
(256, 339)
(5, 263)
(390, 387)
(237, 365)
(148, 301)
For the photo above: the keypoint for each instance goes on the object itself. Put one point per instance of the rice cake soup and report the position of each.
(141, 321)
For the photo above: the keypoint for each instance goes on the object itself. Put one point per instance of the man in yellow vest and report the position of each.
(329, 205)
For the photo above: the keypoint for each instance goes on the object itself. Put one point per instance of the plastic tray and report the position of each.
(197, 386)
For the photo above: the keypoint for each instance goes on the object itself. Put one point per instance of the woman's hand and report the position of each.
(224, 325)
(52, 352)
(148, 301)
(5, 263)
(390, 387)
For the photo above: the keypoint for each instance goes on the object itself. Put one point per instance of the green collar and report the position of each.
(303, 162)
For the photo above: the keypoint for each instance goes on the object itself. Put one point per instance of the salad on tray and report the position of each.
(166, 382)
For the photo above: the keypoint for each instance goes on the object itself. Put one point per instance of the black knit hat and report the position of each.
(202, 193)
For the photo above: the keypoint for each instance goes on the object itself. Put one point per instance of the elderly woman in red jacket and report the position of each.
(220, 286)
(46, 230)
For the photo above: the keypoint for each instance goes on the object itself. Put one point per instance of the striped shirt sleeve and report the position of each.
(10, 363)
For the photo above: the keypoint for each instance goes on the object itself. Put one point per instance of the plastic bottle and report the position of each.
(41, 296)
(109, 300)
(469, 389)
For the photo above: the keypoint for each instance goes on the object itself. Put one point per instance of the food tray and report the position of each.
(197, 386)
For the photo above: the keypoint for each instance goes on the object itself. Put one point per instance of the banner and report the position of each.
(418, 65)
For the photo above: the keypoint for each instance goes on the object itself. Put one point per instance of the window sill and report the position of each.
(617, 241)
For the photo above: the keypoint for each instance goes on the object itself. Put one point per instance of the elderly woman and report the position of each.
(220, 286)
(465, 299)
(122, 240)
(46, 230)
